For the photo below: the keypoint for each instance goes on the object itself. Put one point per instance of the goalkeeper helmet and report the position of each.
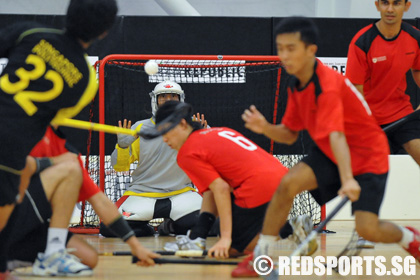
(165, 87)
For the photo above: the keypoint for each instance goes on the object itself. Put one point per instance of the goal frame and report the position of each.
(101, 93)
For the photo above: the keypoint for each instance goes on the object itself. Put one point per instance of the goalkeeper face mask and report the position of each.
(168, 116)
(162, 88)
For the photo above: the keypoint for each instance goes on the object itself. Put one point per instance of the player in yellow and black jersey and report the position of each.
(47, 78)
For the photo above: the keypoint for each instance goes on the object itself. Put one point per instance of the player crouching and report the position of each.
(236, 177)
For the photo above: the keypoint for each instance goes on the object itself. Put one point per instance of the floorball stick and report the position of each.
(95, 126)
(189, 261)
(180, 253)
(401, 121)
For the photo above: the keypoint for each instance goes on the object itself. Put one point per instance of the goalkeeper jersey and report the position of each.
(220, 152)
(156, 173)
(380, 65)
(329, 103)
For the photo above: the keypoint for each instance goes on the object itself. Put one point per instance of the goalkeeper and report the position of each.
(159, 188)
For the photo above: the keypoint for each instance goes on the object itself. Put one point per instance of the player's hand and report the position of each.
(254, 120)
(351, 189)
(201, 119)
(125, 124)
(144, 255)
(220, 249)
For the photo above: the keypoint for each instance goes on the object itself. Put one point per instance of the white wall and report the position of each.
(247, 8)
(402, 196)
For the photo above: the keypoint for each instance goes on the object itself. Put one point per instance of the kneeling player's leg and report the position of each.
(207, 217)
(84, 251)
(196, 240)
(137, 211)
(61, 184)
(137, 208)
(185, 209)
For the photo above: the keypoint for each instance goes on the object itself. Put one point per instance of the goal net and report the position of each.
(220, 87)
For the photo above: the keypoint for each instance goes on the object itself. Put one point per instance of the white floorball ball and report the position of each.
(151, 67)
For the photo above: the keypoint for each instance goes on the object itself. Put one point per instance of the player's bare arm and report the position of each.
(349, 186)
(221, 192)
(209, 204)
(257, 123)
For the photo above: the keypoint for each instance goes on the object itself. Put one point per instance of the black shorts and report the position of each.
(246, 224)
(328, 179)
(9, 186)
(30, 222)
(401, 135)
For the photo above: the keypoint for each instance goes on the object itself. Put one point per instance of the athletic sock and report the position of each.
(407, 237)
(204, 223)
(56, 240)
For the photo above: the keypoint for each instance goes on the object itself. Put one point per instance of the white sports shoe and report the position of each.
(183, 242)
(60, 263)
(302, 227)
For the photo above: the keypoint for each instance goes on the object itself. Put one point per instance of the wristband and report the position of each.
(121, 228)
(42, 164)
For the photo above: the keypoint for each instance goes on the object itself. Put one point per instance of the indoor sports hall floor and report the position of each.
(120, 267)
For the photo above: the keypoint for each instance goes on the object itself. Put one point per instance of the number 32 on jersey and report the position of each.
(26, 98)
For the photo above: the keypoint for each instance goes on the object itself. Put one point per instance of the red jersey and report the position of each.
(328, 103)
(380, 65)
(53, 145)
(221, 152)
